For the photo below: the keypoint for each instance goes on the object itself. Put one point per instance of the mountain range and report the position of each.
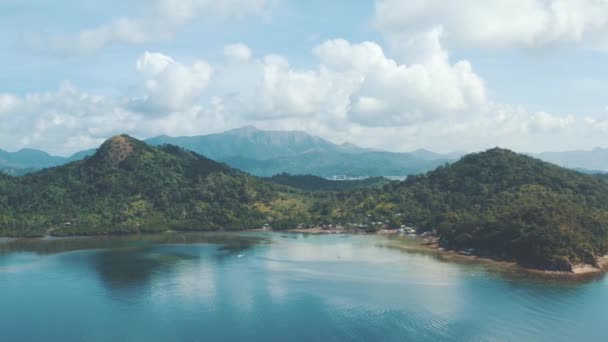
(30, 160)
(268, 153)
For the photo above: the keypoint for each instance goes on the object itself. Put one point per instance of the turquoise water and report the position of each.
(278, 287)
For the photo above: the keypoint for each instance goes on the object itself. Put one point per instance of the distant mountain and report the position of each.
(253, 143)
(81, 155)
(28, 159)
(266, 153)
(328, 164)
(596, 159)
(429, 155)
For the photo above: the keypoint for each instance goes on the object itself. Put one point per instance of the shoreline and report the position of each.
(335, 231)
(578, 270)
(431, 243)
(428, 243)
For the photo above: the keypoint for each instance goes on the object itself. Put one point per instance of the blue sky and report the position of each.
(530, 76)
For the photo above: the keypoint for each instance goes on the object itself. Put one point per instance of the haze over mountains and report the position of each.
(29, 160)
(594, 160)
(267, 153)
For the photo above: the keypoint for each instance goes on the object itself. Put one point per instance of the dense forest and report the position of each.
(499, 203)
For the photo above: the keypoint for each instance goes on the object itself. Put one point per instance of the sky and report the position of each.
(463, 75)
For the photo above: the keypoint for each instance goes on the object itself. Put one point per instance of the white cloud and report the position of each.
(269, 88)
(597, 124)
(160, 20)
(62, 120)
(389, 93)
(171, 86)
(237, 52)
(286, 92)
(351, 83)
(498, 23)
(545, 122)
(8, 102)
(67, 120)
(355, 93)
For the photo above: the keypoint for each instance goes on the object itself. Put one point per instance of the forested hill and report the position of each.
(506, 205)
(129, 186)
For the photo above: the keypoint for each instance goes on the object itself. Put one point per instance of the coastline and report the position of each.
(318, 230)
(578, 270)
(422, 244)
(430, 243)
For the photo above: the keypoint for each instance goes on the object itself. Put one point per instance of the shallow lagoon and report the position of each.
(276, 287)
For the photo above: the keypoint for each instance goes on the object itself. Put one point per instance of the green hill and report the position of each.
(129, 186)
(503, 205)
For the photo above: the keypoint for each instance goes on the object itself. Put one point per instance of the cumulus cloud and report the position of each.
(355, 93)
(498, 23)
(545, 122)
(353, 82)
(68, 119)
(597, 124)
(168, 85)
(65, 117)
(8, 102)
(161, 20)
(237, 52)
(390, 93)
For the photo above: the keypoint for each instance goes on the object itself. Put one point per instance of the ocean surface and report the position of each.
(280, 287)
